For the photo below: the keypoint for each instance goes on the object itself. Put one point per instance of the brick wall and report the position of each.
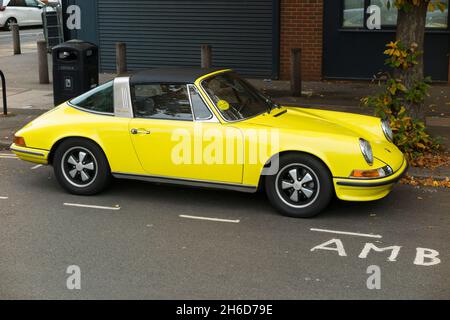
(301, 26)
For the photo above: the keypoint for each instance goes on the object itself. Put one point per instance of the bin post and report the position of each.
(43, 62)
(206, 56)
(5, 106)
(296, 73)
(121, 58)
(16, 38)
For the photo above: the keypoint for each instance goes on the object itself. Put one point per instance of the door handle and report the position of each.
(139, 131)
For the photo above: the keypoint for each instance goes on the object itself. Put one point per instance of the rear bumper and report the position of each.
(370, 189)
(30, 154)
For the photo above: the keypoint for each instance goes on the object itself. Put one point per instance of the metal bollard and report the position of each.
(5, 106)
(121, 58)
(206, 56)
(43, 62)
(16, 38)
(296, 73)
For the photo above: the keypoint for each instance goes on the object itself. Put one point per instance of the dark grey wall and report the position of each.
(88, 31)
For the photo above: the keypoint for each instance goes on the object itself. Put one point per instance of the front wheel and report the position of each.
(81, 167)
(9, 23)
(302, 187)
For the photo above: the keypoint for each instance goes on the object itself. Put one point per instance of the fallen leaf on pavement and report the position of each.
(426, 182)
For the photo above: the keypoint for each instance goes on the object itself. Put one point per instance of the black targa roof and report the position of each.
(170, 75)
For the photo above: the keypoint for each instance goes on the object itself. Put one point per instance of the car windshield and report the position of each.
(235, 98)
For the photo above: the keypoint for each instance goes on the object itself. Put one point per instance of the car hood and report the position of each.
(333, 125)
(314, 120)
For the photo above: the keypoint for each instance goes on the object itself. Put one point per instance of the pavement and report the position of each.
(139, 247)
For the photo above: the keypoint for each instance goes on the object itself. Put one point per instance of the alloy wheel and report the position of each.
(297, 185)
(79, 166)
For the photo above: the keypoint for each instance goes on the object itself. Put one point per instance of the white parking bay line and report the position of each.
(348, 233)
(90, 206)
(208, 219)
(4, 198)
(36, 167)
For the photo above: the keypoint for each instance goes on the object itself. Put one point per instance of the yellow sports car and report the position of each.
(211, 128)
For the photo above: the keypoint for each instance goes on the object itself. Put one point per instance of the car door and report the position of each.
(17, 9)
(173, 141)
(33, 12)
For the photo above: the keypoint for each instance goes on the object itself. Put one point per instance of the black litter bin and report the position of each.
(75, 69)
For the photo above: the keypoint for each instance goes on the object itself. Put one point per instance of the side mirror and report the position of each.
(223, 105)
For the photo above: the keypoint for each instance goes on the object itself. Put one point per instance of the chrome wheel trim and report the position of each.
(302, 187)
(79, 165)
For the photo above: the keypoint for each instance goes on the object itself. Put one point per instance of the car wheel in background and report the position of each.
(9, 22)
(302, 187)
(81, 167)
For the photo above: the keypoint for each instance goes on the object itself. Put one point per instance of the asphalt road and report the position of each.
(141, 248)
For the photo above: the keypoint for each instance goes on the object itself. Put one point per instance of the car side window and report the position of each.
(161, 101)
(31, 3)
(201, 111)
(16, 3)
(100, 99)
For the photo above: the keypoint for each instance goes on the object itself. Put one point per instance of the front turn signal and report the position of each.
(370, 174)
(19, 141)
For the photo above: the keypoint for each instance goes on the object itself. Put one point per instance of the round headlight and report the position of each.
(387, 130)
(366, 150)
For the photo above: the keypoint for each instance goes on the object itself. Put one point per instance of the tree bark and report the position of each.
(411, 29)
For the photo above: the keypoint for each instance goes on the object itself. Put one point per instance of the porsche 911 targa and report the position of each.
(211, 128)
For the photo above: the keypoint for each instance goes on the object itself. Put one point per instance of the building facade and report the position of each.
(255, 37)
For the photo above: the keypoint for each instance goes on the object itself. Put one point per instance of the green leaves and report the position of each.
(407, 5)
(397, 99)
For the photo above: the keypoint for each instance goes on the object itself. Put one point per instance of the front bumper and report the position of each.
(30, 154)
(368, 189)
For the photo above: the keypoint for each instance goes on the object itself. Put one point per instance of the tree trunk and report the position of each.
(411, 29)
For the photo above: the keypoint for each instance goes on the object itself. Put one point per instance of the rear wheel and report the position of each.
(302, 187)
(81, 167)
(9, 23)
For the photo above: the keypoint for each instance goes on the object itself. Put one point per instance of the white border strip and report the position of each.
(90, 206)
(208, 219)
(348, 233)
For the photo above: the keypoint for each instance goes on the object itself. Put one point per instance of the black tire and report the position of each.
(89, 176)
(311, 197)
(8, 23)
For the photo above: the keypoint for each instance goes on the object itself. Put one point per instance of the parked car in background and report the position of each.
(22, 12)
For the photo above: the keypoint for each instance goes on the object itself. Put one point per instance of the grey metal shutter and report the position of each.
(243, 33)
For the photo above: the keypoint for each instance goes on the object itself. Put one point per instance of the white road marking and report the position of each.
(8, 157)
(4, 198)
(90, 206)
(37, 167)
(348, 233)
(208, 219)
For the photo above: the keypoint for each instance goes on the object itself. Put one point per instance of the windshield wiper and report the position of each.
(272, 105)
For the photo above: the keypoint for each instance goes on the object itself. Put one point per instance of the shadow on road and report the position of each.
(207, 199)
